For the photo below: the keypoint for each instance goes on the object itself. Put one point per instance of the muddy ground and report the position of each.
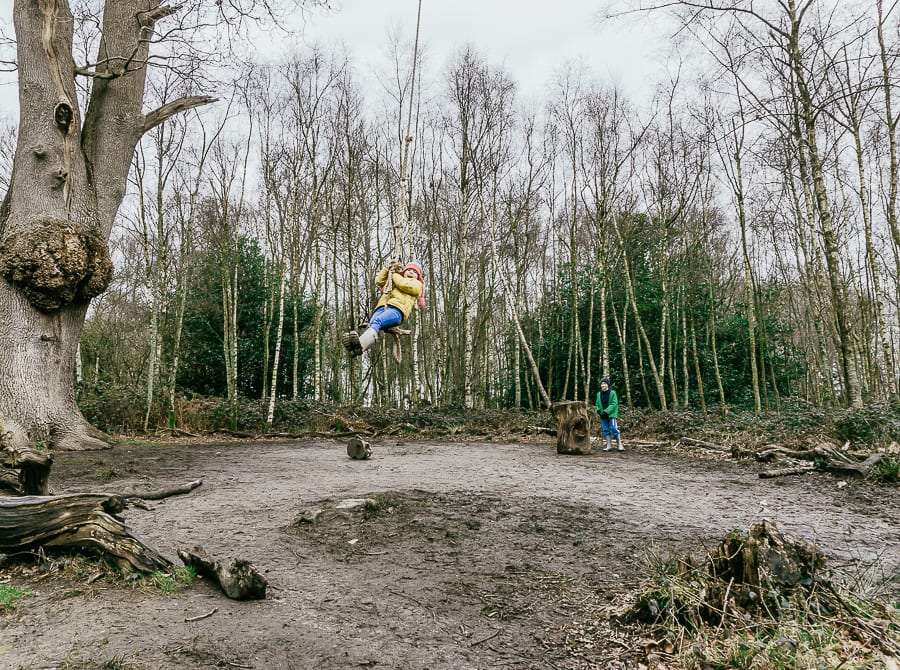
(468, 555)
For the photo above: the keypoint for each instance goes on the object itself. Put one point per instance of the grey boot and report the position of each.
(367, 339)
(350, 340)
(608, 442)
(619, 442)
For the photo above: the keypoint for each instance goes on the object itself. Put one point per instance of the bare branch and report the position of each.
(170, 109)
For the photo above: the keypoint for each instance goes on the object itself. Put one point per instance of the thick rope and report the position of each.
(400, 223)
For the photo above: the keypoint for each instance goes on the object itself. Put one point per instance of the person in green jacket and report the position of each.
(608, 407)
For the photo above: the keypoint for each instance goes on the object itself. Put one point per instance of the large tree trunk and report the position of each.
(67, 183)
(53, 255)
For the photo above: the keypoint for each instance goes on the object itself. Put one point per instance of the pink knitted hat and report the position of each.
(416, 267)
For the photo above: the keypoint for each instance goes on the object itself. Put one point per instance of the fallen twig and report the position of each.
(202, 616)
(783, 472)
(485, 639)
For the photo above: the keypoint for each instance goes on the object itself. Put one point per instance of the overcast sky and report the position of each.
(530, 39)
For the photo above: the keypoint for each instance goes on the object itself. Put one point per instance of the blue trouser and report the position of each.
(610, 427)
(385, 317)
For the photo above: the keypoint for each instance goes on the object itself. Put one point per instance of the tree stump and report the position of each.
(32, 469)
(358, 449)
(573, 427)
(83, 521)
(763, 566)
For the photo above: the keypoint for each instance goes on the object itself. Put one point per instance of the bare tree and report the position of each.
(783, 41)
(479, 99)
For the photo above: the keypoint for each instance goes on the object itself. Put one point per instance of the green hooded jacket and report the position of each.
(612, 409)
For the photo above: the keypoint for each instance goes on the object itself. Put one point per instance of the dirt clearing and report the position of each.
(458, 555)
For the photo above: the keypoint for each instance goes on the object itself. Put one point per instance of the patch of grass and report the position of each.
(114, 663)
(172, 582)
(887, 470)
(10, 595)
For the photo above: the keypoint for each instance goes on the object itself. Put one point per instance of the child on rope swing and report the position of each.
(393, 308)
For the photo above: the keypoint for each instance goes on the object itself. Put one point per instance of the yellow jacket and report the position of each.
(403, 294)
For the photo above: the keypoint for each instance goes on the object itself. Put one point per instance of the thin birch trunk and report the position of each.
(697, 371)
(852, 394)
(887, 85)
(273, 386)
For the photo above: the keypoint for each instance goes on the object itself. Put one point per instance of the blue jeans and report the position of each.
(385, 317)
(609, 427)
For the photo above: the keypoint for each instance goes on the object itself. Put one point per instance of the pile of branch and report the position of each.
(749, 585)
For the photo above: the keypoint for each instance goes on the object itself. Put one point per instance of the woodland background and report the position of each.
(734, 243)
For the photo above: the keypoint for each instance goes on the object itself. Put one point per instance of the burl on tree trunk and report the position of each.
(573, 427)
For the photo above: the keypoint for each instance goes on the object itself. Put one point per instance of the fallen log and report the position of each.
(182, 431)
(852, 468)
(769, 454)
(690, 441)
(159, 494)
(647, 443)
(239, 579)
(80, 521)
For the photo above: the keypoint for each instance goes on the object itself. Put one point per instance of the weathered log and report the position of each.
(769, 454)
(159, 494)
(650, 444)
(239, 579)
(852, 468)
(81, 521)
(573, 427)
(358, 449)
